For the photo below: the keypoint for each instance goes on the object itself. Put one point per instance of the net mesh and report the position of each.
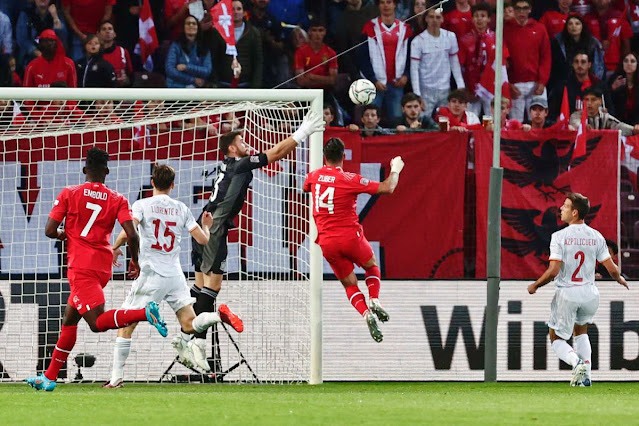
(43, 148)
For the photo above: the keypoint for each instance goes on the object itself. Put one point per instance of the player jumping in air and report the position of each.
(161, 220)
(231, 183)
(340, 234)
(91, 210)
(574, 252)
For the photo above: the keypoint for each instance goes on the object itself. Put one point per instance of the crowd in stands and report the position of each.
(432, 70)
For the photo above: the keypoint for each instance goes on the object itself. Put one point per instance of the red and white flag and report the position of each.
(148, 41)
(564, 114)
(486, 87)
(223, 23)
(580, 141)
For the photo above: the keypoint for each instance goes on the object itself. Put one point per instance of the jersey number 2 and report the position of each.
(167, 233)
(325, 200)
(94, 215)
(581, 256)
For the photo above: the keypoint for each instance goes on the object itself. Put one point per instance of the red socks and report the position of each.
(373, 281)
(63, 347)
(118, 318)
(357, 299)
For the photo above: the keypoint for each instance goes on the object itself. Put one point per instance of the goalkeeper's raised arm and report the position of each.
(312, 123)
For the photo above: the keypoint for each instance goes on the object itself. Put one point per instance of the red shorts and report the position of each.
(342, 254)
(86, 288)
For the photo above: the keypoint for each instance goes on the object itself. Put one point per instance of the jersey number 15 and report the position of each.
(325, 199)
(167, 233)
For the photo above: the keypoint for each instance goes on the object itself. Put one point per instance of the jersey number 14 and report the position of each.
(325, 200)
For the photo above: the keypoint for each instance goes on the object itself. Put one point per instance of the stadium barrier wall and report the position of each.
(435, 333)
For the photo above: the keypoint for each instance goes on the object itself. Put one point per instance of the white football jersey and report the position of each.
(579, 247)
(162, 220)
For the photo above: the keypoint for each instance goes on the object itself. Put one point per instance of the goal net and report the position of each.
(273, 278)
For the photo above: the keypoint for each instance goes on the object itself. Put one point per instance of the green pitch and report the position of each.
(328, 404)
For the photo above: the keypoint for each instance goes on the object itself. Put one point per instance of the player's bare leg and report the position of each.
(581, 343)
(358, 301)
(373, 282)
(567, 354)
(121, 352)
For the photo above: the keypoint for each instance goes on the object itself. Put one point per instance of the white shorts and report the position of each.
(573, 305)
(151, 286)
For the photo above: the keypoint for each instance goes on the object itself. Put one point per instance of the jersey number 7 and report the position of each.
(96, 211)
(325, 200)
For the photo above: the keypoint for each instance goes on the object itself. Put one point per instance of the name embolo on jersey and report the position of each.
(162, 220)
(579, 247)
(230, 185)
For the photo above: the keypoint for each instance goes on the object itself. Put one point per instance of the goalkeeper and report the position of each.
(231, 183)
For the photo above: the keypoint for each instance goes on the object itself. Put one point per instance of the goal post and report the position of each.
(274, 272)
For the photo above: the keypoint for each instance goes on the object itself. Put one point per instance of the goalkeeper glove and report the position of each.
(397, 165)
(312, 123)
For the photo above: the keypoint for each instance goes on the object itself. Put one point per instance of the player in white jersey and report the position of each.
(574, 253)
(161, 220)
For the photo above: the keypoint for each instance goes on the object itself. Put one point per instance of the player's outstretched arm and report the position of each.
(312, 123)
(389, 185)
(613, 270)
(51, 230)
(201, 234)
(548, 276)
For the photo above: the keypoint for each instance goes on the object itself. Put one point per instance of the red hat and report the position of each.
(48, 34)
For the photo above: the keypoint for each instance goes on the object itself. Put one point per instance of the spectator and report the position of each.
(580, 79)
(329, 115)
(460, 19)
(632, 11)
(506, 123)
(597, 118)
(575, 37)
(418, 24)
(175, 12)
(248, 64)
(370, 122)
(55, 115)
(188, 63)
(555, 20)
(509, 13)
(15, 78)
(624, 86)
(93, 70)
(37, 17)
(600, 270)
(52, 65)
(102, 112)
(316, 54)
(433, 58)
(411, 109)
(290, 12)
(349, 32)
(530, 58)
(475, 50)
(116, 55)
(270, 28)
(83, 17)
(612, 29)
(6, 35)
(127, 13)
(539, 114)
(7, 76)
(458, 118)
(384, 58)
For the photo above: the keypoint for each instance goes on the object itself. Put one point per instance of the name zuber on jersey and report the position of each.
(326, 179)
(95, 194)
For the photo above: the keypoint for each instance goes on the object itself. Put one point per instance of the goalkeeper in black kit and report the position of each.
(230, 185)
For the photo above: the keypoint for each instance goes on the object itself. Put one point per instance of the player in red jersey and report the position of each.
(339, 232)
(91, 210)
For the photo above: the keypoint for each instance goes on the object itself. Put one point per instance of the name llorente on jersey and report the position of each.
(169, 211)
(326, 179)
(95, 194)
(580, 242)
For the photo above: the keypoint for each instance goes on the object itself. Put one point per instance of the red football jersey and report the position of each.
(334, 194)
(91, 210)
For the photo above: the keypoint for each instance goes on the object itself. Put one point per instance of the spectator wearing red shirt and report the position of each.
(384, 58)
(314, 53)
(116, 55)
(632, 12)
(460, 19)
(52, 65)
(555, 20)
(507, 123)
(83, 17)
(175, 12)
(530, 58)
(459, 118)
(612, 29)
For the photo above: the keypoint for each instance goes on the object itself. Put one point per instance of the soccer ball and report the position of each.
(362, 92)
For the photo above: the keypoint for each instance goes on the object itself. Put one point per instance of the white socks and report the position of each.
(120, 354)
(584, 351)
(565, 352)
(202, 322)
